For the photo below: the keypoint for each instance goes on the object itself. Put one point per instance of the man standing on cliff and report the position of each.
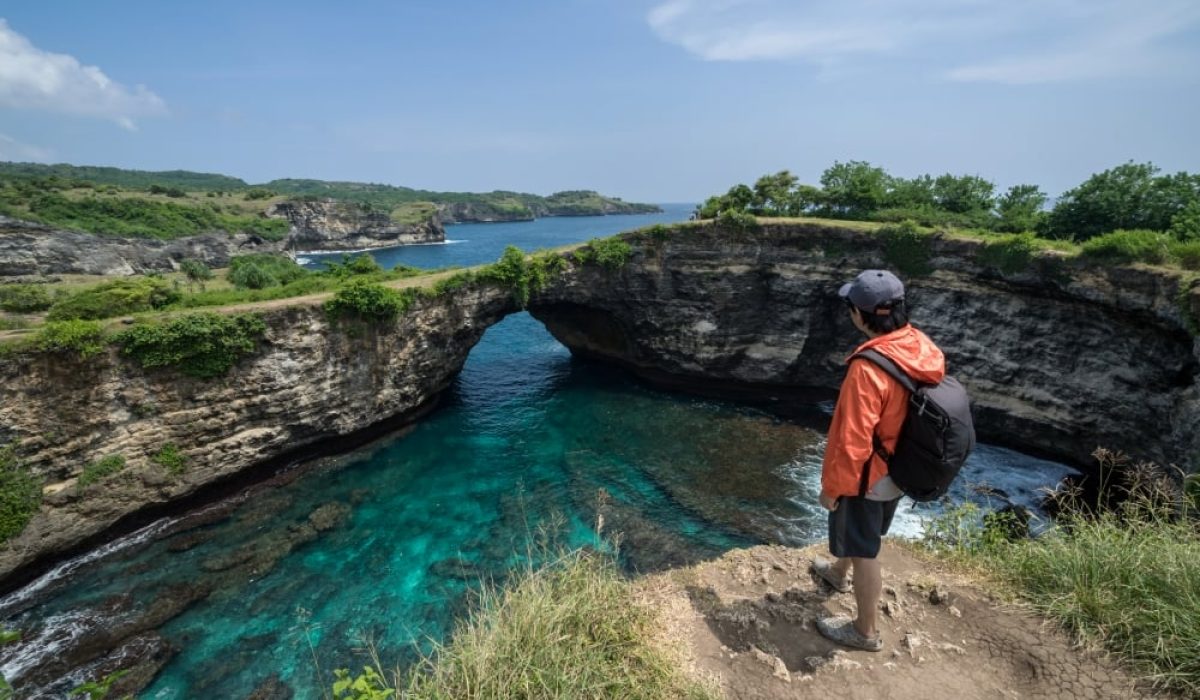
(855, 486)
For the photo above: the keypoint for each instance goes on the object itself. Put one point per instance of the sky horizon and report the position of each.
(648, 100)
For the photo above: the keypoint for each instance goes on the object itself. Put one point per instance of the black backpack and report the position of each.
(935, 439)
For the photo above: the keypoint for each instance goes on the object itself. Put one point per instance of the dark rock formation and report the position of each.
(331, 225)
(1059, 359)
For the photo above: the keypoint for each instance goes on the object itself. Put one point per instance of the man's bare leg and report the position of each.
(868, 588)
(841, 567)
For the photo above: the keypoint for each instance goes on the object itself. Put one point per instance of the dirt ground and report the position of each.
(747, 622)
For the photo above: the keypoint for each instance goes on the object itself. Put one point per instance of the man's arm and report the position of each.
(850, 444)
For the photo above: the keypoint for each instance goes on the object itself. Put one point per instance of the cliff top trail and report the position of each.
(746, 621)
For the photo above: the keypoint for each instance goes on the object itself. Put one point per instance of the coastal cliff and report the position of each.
(1060, 357)
(331, 225)
(28, 249)
(310, 381)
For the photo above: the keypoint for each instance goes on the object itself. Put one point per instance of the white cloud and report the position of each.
(1015, 41)
(31, 78)
(14, 150)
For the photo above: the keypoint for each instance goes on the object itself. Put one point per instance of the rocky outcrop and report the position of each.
(309, 383)
(33, 249)
(331, 225)
(1059, 359)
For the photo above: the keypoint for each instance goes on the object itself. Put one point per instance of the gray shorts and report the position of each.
(857, 527)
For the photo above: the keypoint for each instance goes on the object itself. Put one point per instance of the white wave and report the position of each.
(58, 632)
(18, 598)
(348, 251)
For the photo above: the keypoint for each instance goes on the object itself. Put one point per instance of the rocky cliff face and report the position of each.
(310, 382)
(331, 225)
(1059, 359)
(33, 249)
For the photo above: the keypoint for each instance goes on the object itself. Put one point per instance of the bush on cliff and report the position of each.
(262, 270)
(20, 494)
(84, 338)
(99, 470)
(511, 272)
(25, 298)
(368, 301)
(570, 629)
(115, 298)
(1130, 246)
(907, 248)
(202, 345)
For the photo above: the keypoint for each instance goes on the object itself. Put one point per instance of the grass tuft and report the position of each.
(568, 630)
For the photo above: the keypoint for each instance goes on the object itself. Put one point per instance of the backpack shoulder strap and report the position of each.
(887, 365)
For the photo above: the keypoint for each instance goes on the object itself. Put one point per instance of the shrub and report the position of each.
(100, 469)
(195, 270)
(20, 494)
(24, 298)
(350, 266)
(115, 298)
(1137, 245)
(262, 270)
(171, 459)
(1009, 254)
(544, 267)
(258, 193)
(511, 272)
(611, 253)
(737, 220)
(202, 345)
(85, 338)
(1187, 254)
(366, 300)
(907, 248)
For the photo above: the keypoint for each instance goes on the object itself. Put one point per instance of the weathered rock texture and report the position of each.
(33, 249)
(309, 382)
(28, 248)
(1060, 359)
(331, 225)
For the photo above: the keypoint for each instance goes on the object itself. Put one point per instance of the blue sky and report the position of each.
(659, 100)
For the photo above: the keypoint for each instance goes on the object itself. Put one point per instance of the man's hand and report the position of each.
(828, 503)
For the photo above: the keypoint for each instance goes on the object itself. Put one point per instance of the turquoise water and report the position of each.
(529, 448)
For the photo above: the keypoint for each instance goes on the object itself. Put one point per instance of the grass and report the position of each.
(569, 630)
(1124, 577)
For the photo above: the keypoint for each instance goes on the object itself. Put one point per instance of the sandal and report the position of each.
(841, 629)
(824, 571)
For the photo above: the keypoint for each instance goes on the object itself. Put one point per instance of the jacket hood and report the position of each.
(913, 351)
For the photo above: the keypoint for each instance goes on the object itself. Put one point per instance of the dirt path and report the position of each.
(748, 621)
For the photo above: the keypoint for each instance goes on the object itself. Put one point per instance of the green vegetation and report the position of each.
(20, 494)
(736, 220)
(171, 459)
(368, 301)
(25, 298)
(1010, 254)
(196, 271)
(262, 270)
(1130, 246)
(610, 253)
(119, 297)
(571, 629)
(98, 690)
(201, 345)
(131, 179)
(1125, 577)
(98, 470)
(907, 248)
(84, 338)
(511, 271)
(1130, 196)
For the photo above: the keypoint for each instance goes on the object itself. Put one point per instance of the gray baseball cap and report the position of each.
(873, 288)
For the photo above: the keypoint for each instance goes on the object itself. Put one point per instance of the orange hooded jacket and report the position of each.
(872, 402)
